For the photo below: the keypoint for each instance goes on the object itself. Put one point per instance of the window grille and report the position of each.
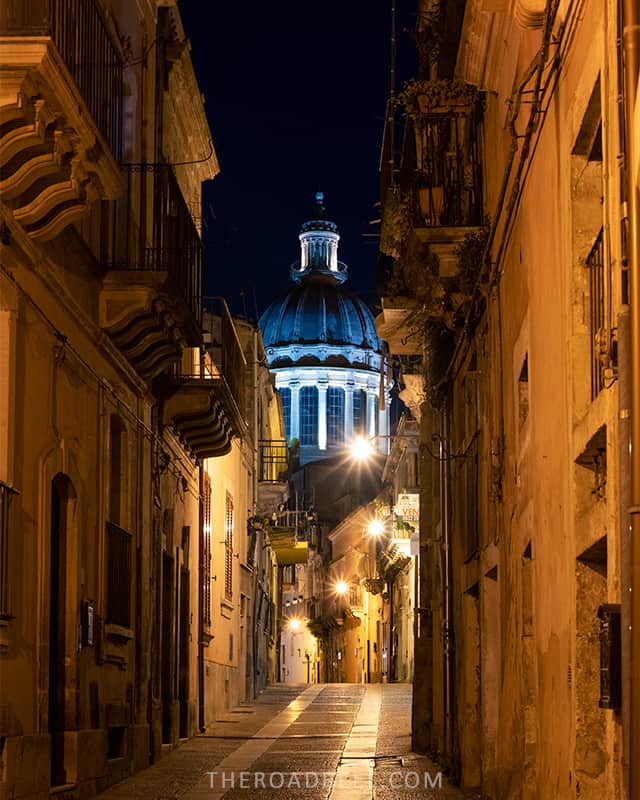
(597, 318)
(118, 576)
(6, 495)
(335, 415)
(228, 547)
(308, 415)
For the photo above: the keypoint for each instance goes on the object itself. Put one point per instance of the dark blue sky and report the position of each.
(295, 96)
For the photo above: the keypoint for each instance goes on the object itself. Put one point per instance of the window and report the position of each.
(523, 392)
(228, 547)
(6, 495)
(117, 469)
(359, 413)
(286, 411)
(206, 549)
(597, 318)
(335, 415)
(470, 487)
(118, 576)
(308, 415)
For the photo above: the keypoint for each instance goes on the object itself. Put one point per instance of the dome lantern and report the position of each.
(319, 239)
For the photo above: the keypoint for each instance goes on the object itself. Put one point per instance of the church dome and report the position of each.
(321, 345)
(315, 311)
(318, 309)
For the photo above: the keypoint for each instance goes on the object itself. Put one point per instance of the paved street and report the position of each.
(329, 741)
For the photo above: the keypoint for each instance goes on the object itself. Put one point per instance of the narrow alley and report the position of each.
(332, 741)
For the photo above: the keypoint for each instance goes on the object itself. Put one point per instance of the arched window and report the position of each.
(285, 394)
(335, 415)
(308, 415)
(359, 413)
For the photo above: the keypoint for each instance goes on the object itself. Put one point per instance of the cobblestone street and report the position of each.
(333, 741)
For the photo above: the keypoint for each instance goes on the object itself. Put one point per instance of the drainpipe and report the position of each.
(631, 45)
(201, 573)
(254, 506)
(624, 494)
(445, 477)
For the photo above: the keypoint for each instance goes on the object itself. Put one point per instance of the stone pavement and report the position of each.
(318, 742)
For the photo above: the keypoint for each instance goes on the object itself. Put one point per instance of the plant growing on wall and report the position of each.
(397, 220)
(422, 96)
(428, 38)
(470, 255)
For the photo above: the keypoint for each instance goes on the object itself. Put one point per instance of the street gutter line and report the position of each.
(354, 776)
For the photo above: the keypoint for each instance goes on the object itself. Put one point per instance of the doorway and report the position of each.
(60, 637)
(183, 682)
(168, 629)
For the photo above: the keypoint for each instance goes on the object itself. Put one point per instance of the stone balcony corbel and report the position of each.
(54, 160)
(193, 407)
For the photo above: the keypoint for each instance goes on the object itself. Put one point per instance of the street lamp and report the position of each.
(361, 448)
(341, 587)
(375, 527)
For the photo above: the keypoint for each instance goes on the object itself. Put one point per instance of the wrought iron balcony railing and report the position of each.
(150, 229)
(448, 176)
(89, 51)
(203, 393)
(273, 461)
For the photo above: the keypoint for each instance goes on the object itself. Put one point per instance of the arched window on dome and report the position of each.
(359, 413)
(309, 415)
(335, 415)
(285, 394)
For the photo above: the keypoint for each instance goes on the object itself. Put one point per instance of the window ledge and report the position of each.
(118, 633)
(226, 608)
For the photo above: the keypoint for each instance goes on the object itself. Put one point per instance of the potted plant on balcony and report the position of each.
(422, 97)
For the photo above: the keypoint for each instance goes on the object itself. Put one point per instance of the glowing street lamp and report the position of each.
(361, 449)
(375, 527)
(294, 624)
(341, 587)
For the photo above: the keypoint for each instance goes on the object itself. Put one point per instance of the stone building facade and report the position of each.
(505, 288)
(111, 402)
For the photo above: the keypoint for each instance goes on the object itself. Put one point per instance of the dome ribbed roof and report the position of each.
(317, 311)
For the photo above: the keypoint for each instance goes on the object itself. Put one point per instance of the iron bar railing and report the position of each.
(597, 318)
(273, 461)
(119, 566)
(88, 49)
(448, 177)
(150, 229)
(6, 495)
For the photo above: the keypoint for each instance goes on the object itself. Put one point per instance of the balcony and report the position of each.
(60, 112)
(151, 297)
(290, 534)
(432, 210)
(273, 474)
(203, 397)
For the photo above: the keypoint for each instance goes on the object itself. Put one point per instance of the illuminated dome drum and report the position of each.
(322, 346)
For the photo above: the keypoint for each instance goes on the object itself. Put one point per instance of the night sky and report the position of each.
(295, 96)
